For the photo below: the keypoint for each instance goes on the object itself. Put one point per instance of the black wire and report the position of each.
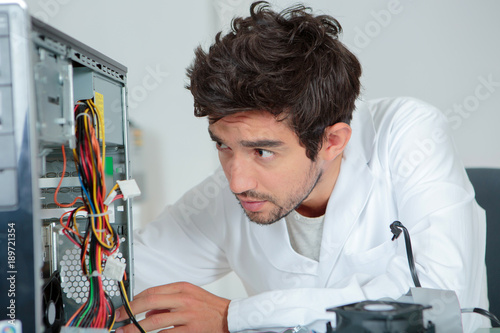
(409, 253)
(129, 311)
(411, 262)
(94, 306)
(95, 118)
(83, 251)
(111, 318)
(483, 312)
(488, 314)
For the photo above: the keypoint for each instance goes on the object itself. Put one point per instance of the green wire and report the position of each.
(91, 298)
(89, 304)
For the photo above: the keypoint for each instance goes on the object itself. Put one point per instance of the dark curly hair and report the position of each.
(290, 64)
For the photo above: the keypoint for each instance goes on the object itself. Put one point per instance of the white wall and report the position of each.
(439, 51)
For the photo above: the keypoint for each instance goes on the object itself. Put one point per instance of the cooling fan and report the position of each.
(381, 317)
(53, 308)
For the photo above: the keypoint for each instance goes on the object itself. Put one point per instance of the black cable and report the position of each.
(396, 227)
(411, 262)
(128, 310)
(111, 318)
(483, 312)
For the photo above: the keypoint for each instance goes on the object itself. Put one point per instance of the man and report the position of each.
(303, 212)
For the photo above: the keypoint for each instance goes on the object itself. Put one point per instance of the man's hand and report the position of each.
(183, 305)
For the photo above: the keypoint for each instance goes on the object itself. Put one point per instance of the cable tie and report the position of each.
(83, 114)
(99, 215)
(110, 198)
(95, 274)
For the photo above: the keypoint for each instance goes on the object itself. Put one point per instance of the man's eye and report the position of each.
(221, 145)
(265, 153)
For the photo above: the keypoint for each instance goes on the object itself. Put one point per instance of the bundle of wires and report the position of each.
(99, 240)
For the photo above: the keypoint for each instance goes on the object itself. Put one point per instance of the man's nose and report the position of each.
(241, 176)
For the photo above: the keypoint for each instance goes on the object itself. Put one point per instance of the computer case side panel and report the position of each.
(20, 257)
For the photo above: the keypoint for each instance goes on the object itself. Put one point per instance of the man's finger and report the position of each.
(154, 322)
(178, 329)
(171, 288)
(151, 302)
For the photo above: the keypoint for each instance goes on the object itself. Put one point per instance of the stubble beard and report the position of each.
(282, 210)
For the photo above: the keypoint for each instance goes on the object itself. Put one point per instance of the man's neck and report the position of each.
(315, 204)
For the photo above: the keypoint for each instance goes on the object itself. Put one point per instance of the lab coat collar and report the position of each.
(346, 202)
(352, 189)
(363, 133)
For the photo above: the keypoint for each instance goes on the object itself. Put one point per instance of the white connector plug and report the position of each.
(114, 268)
(129, 188)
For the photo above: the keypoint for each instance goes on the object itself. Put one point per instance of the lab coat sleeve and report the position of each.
(435, 202)
(185, 242)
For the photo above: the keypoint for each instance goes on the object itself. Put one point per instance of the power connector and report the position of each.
(129, 188)
(114, 268)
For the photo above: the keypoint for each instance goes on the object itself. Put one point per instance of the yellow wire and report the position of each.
(125, 296)
(75, 224)
(101, 131)
(95, 110)
(101, 126)
(113, 189)
(97, 235)
(99, 255)
(112, 323)
(97, 211)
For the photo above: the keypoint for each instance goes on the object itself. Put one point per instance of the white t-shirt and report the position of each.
(305, 234)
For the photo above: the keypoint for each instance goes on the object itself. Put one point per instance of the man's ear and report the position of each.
(335, 140)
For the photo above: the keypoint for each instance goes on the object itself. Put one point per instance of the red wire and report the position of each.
(83, 161)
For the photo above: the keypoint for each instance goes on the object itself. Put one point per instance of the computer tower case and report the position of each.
(47, 80)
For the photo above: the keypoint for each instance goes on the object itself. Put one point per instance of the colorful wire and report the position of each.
(99, 240)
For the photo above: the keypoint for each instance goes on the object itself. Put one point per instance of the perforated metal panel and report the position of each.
(75, 285)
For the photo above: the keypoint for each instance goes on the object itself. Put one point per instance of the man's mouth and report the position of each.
(252, 206)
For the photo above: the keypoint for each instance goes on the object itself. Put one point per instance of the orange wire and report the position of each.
(60, 182)
(68, 228)
(84, 253)
(74, 315)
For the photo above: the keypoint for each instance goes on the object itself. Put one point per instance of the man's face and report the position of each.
(266, 167)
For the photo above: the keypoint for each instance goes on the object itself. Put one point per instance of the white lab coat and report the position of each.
(400, 164)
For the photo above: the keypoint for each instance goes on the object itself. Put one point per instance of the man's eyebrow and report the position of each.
(214, 137)
(251, 144)
(262, 144)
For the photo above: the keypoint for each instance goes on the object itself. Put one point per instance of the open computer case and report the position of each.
(48, 81)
